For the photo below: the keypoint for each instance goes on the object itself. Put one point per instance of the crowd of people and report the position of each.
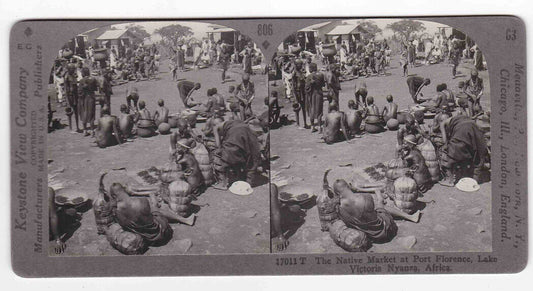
(448, 124)
(233, 136)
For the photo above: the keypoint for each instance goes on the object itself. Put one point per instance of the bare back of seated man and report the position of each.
(354, 117)
(107, 131)
(161, 113)
(335, 121)
(125, 121)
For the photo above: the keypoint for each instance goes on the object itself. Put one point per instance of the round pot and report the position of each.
(164, 128)
(145, 131)
(373, 128)
(393, 124)
(329, 50)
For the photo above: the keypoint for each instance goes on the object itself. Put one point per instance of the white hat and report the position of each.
(241, 188)
(467, 185)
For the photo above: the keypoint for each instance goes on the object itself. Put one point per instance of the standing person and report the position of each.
(299, 92)
(455, 55)
(332, 83)
(224, 59)
(87, 86)
(314, 97)
(71, 90)
(478, 57)
(186, 90)
(107, 89)
(132, 97)
(411, 54)
(247, 54)
(180, 58)
(360, 95)
(415, 85)
(245, 92)
(474, 90)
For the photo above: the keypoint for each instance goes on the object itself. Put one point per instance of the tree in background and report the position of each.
(138, 31)
(173, 33)
(406, 27)
(370, 27)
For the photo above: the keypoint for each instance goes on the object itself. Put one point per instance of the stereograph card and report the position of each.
(275, 146)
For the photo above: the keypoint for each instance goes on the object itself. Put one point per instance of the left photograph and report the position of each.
(158, 142)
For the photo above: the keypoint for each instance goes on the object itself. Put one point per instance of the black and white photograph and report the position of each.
(158, 142)
(381, 139)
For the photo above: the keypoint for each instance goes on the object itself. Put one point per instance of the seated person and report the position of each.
(281, 218)
(357, 211)
(335, 122)
(107, 133)
(464, 147)
(126, 121)
(188, 164)
(274, 109)
(143, 113)
(414, 160)
(161, 113)
(372, 113)
(354, 118)
(391, 110)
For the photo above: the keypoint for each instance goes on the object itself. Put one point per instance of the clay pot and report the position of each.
(329, 49)
(145, 131)
(295, 49)
(100, 56)
(402, 117)
(393, 124)
(173, 121)
(373, 128)
(163, 128)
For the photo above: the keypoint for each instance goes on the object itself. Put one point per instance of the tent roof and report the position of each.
(315, 26)
(343, 29)
(113, 34)
(221, 29)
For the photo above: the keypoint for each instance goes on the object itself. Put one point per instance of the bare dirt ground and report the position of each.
(451, 221)
(226, 223)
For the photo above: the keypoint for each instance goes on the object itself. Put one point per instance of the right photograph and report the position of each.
(380, 139)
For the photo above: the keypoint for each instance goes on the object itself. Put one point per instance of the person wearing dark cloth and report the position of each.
(87, 86)
(238, 149)
(314, 96)
(224, 60)
(464, 145)
(185, 89)
(358, 211)
(71, 90)
(455, 57)
(180, 58)
(360, 95)
(274, 109)
(415, 85)
(299, 92)
(245, 93)
(278, 240)
(333, 83)
(107, 89)
(474, 90)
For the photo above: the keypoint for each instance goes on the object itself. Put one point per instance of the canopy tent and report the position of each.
(343, 30)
